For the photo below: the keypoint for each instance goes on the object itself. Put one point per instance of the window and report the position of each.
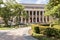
(20, 19)
(37, 12)
(41, 19)
(41, 12)
(34, 19)
(26, 11)
(34, 13)
(45, 19)
(31, 20)
(27, 20)
(23, 19)
(37, 19)
(30, 12)
(48, 18)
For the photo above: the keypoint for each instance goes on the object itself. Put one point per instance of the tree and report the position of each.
(53, 9)
(11, 9)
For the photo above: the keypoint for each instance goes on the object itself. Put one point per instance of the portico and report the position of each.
(35, 14)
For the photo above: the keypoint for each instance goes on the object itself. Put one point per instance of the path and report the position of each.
(16, 34)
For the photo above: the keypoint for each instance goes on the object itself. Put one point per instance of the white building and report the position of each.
(35, 14)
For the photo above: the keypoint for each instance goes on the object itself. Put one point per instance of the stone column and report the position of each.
(36, 16)
(25, 21)
(39, 17)
(21, 18)
(49, 19)
(29, 17)
(43, 16)
(46, 19)
(32, 16)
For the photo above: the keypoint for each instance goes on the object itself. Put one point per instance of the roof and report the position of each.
(33, 5)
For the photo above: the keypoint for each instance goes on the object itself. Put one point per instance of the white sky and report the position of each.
(33, 1)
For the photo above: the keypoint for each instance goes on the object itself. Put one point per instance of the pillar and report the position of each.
(46, 19)
(21, 18)
(32, 16)
(36, 16)
(43, 16)
(29, 17)
(39, 17)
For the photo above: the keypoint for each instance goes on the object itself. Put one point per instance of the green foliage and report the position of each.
(37, 35)
(37, 30)
(53, 9)
(51, 4)
(10, 10)
(46, 32)
(1, 1)
(52, 32)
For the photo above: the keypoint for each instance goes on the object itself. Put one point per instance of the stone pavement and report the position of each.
(16, 34)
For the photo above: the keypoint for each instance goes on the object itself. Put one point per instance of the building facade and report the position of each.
(35, 14)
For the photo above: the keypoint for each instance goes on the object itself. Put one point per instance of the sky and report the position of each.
(33, 1)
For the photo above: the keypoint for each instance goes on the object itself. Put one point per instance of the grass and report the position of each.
(56, 26)
(5, 28)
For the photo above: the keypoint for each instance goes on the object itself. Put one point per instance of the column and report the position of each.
(25, 18)
(39, 17)
(43, 16)
(49, 19)
(32, 16)
(36, 16)
(46, 19)
(21, 18)
(29, 17)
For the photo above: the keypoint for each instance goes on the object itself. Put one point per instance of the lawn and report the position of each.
(5, 28)
(56, 26)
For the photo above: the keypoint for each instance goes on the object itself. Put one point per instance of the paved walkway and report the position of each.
(16, 34)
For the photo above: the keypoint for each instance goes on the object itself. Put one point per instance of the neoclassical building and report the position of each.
(35, 14)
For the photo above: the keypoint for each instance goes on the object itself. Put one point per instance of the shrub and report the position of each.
(41, 37)
(37, 30)
(42, 28)
(58, 36)
(45, 24)
(37, 35)
(51, 32)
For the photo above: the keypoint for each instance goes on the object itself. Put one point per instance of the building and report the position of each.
(35, 14)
